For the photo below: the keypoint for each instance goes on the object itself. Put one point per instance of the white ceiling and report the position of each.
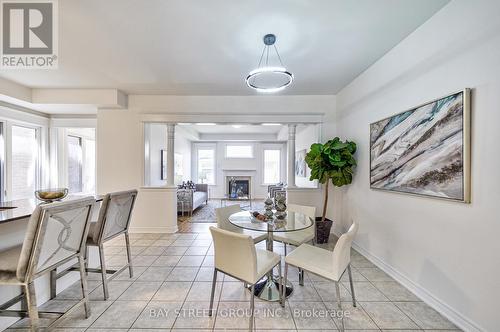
(188, 47)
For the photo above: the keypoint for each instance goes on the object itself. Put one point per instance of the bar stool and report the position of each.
(56, 234)
(113, 220)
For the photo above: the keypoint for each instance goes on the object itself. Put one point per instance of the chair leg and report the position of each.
(103, 272)
(352, 285)
(214, 280)
(301, 277)
(87, 257)
(53, 283)
(85, 291)
(252, 305)
(281, 285)
(339, 306)
(283, 295)
(285, 248)
(129, 255)
(29, 291)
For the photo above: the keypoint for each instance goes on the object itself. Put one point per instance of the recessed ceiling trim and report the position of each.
(234, 118)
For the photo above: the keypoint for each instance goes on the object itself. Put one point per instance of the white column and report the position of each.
(170, 154)
(291, 156)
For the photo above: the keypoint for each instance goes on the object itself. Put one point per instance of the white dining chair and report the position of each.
(236, 256)
(222, 215)
(296, 238)
(325, 263)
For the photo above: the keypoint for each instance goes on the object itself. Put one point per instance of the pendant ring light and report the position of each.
(264, 69)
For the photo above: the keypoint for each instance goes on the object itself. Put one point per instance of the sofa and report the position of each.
(189, 200)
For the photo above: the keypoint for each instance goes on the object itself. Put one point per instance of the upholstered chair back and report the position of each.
(222, 215)
(342, 250)
(114, 215)
(56, 232)
(309, 211)
(235, 254)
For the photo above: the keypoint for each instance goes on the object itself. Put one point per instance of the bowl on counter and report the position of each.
(51, 195)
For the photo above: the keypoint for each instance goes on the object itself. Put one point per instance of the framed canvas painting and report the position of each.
(300, 164)
(425, 150)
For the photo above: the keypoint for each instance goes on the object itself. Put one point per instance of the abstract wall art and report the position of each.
(300, 163)
(425, 150)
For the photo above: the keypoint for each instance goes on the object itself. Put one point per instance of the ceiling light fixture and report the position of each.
(271, 124)
(277, 76)
(206, 124)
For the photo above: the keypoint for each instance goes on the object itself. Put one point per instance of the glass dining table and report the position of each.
(267, 288)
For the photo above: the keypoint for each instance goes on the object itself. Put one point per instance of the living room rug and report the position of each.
(206, 212)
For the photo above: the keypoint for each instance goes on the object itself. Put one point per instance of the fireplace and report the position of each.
(238, 186)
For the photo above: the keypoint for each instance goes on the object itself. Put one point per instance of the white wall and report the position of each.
(447, 252)
(306, 135)
(120, 150)
(158, 141)
(183, 147)
(240, 167)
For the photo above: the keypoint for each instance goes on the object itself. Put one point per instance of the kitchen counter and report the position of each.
(23, 208)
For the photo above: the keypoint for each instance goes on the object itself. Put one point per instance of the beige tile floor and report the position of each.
(171, 286)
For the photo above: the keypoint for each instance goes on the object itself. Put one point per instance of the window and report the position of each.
(75, 157)
(88, 164)
(206, 166)
(178, 168)
(272, 166)
(25, 152)
(239, 151)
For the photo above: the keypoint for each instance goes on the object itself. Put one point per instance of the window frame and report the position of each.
(252, 148)
(272, 148)
(7, 155)
(81, 144)
(212, 147)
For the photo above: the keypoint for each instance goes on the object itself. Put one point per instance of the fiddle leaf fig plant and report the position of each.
(332, 161)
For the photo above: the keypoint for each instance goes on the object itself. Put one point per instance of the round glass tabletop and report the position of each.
(293, 221)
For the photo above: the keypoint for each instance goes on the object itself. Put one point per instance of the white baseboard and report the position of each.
(444, 309)
(153, 229)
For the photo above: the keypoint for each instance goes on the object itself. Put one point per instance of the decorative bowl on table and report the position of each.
(258, 216)
(51, 195)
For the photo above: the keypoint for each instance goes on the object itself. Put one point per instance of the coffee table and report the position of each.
(226, 198)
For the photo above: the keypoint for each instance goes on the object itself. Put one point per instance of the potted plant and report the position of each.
(332, 161)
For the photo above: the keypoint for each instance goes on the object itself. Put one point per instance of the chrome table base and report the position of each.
(267, 289)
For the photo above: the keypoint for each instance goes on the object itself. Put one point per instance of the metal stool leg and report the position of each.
(53, 283)
(32, 308)
(103, 272)
(83, 280)
(129, 255)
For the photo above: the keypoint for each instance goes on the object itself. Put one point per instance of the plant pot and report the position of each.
(323, 230)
